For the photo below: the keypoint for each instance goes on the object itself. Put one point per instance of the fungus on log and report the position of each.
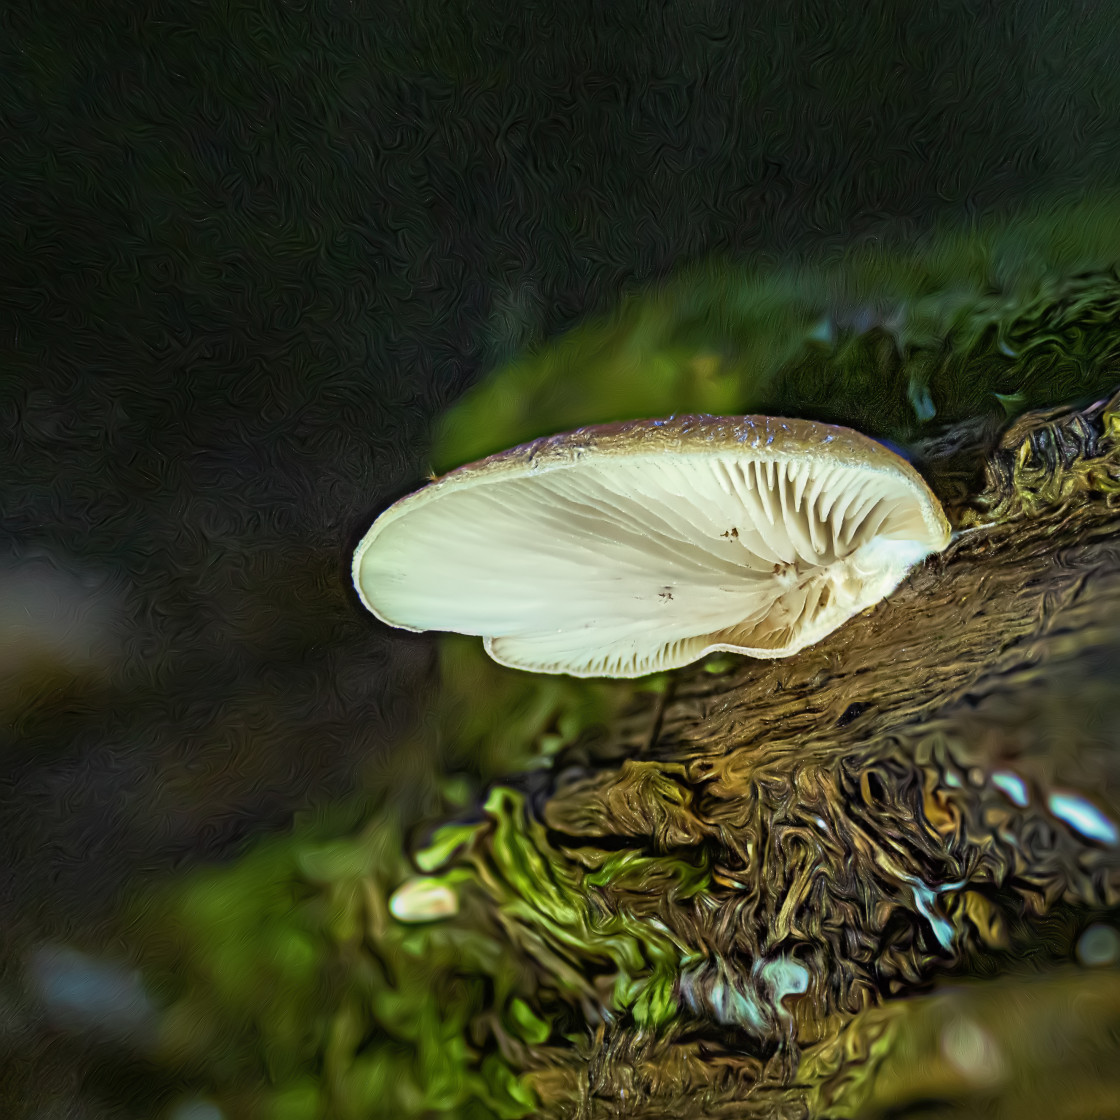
(878, 878)
(806, 844)
(627, 549)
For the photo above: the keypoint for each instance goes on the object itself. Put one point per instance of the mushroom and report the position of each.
(626, 549)
(422, 899)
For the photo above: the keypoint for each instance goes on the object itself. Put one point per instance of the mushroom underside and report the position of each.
(633, 565)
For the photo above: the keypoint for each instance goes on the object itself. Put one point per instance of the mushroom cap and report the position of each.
(625, 549)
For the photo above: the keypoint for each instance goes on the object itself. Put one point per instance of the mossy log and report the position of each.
(853, 882)
(911, 800)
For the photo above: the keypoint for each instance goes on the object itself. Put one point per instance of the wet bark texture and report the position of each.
(877, 813)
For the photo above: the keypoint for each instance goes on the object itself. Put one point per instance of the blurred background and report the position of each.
(252, 256)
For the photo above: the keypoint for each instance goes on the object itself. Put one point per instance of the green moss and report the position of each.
(888, 339)
(290, 983)
(666, 876)
(492, 721)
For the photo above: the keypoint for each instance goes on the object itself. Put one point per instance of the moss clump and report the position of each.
(291, 983)
(298, 996)
(995, 320)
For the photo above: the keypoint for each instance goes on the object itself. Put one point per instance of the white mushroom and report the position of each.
(626, 549)
(422, 899)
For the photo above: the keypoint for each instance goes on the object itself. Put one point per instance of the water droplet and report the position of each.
(1099, 946)
(1083, 817)
(1012, 785)
(921, 401)
(925, 898)
(972, 1052)
(824, 332)
(785, 977)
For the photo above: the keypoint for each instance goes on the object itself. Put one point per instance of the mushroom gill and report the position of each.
(626, 549)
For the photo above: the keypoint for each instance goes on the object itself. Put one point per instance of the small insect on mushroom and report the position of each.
(626, 549)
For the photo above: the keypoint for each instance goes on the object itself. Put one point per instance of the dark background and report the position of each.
(249, 253)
